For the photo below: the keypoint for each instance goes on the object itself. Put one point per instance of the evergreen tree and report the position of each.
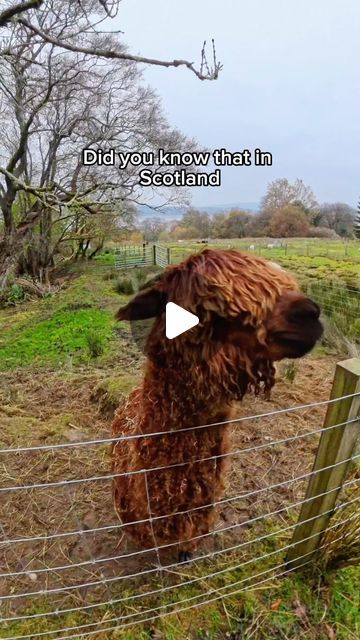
(357, 222)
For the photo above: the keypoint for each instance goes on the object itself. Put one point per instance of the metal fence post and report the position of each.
(336, 446)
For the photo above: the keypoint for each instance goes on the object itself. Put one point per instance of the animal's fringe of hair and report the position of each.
(227, 282)
(265, 378)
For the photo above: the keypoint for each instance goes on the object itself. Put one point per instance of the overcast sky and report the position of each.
(290, 85)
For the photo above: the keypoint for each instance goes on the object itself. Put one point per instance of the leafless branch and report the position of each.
(15, 10)
(212, 73)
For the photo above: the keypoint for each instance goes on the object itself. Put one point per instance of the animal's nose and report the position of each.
(307, 309)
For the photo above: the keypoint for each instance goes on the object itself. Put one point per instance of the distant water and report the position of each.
(172, 213)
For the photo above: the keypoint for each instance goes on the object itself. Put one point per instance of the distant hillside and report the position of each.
(173, 213)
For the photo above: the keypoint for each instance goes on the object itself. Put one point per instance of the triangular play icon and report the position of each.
(178, 320)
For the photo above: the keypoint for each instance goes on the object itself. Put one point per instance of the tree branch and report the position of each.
(212, 73)
(5, 16)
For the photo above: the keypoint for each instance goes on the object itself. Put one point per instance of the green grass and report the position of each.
(304, 603)
(340, 305)
(51, 340)
(287, 247)
(78, 324)
(319, 265)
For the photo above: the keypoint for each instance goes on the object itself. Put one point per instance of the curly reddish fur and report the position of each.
(194, 380)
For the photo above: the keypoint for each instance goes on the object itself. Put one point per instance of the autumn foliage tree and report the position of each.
(234, 224)
(289, 221)
(281, 193)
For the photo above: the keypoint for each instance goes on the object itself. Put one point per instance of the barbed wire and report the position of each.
(137, 436)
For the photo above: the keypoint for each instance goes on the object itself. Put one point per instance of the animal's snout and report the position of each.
(295, 327)
(305, 310)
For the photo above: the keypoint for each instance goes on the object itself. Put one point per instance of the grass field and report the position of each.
(64, 366)
(314, 259)
(329, 260)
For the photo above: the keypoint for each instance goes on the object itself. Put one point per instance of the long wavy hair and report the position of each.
(220, 287)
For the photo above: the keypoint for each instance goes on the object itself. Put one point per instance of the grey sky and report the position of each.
(290, 85)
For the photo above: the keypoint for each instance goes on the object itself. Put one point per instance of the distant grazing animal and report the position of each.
(251, 313)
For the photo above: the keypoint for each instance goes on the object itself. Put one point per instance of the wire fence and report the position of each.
(127, 255)
(89, 580)
(339, 301)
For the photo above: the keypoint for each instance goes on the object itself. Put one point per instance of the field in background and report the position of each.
(329, 260)
(270, 247)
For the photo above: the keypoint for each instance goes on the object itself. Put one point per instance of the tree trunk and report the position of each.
(8, 261)
(13, 247)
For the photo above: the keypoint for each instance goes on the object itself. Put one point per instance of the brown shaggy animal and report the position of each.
(251, 313)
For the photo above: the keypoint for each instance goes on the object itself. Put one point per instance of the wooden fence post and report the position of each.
(336, 445)
(154, 253)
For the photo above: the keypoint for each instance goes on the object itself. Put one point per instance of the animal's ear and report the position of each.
(147, 304)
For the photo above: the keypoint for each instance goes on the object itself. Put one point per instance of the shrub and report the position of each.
(322, 232)
(95, 344)
(124, 285)
(290, 370)
(16, 294)
(141, 276)
(110, 275)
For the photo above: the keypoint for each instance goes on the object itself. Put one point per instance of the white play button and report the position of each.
(178, 320)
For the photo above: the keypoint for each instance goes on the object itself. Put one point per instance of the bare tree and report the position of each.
(339, 217)
(281, 193)
(54, 104)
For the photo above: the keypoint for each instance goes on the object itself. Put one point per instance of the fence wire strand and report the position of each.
(157, 548)
(111, 476)
(65, 445)
(120, 525)
(43, 592)
(173, 604)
